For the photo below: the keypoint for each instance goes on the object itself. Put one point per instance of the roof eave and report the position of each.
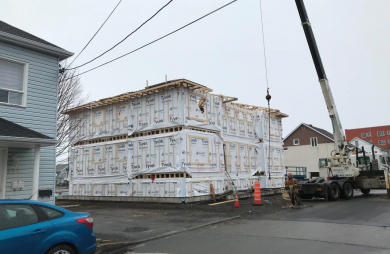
(309, 128)
(47, 141)
(60, 53)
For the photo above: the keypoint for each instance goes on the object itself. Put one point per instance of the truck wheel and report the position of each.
(306, 196)
(334, 192)
(347, 191)
(365, 191)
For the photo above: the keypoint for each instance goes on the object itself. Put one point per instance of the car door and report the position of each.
(23, 230)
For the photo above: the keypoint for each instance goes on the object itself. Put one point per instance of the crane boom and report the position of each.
(340, 142)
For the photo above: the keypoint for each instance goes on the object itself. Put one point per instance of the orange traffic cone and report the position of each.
(236, 203)
(257, 199)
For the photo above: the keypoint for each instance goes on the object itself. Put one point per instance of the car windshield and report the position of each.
(323, 162)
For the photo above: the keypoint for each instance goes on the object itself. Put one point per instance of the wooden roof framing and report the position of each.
(147, 91)
(275, 112)
(165, 86)
(226, 99)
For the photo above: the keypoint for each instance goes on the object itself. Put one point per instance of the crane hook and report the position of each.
(268, 97)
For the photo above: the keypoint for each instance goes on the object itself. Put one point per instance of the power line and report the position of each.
(95, 33)
(124, 38)
(157, 39)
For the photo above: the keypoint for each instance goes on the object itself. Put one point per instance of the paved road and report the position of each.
(361, 225)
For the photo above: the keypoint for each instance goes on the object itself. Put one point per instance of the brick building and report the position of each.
(378, 135)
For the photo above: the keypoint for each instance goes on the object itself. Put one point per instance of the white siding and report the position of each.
(307, 156)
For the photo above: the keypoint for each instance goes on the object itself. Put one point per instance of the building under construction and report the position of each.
(173, 140)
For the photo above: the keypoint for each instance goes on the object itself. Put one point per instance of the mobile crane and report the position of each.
(338, 177)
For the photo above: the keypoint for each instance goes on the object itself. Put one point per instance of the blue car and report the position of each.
(38, 228)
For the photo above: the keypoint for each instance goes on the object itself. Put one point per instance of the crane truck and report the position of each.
(338, 176)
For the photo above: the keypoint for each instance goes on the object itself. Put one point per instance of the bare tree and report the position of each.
(69, 96)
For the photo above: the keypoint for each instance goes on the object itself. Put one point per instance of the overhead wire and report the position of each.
(162, 37)
(95, 33)
(124, 38)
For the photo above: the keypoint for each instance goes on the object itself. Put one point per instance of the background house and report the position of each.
(378, 135)
(28, 106)
(358, 142)
(305, 145)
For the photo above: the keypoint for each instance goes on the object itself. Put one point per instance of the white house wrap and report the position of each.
(168, 141)
(174, 107)
(196, 153)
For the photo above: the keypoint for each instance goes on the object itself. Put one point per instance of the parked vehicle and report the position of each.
(39, 228)
(62, 177)
(338, 176)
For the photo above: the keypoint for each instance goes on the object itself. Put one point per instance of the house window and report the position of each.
(357, 143)
(388, 132)
(368, 134)
(296, 141)
(13, 82)
(389, 141)
(381, 133)
(314, 142)
(286, 148)
(364, 135)
(382, 142)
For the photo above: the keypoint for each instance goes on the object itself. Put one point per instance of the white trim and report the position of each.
(294, 142)
(377, 133)
(25, 82)
(310, 128)
(311, 143)
(29, 140)
(14, 39)
(35, 180)
(3, 171)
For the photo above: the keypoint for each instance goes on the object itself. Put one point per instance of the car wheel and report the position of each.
(365, 191)
(61, 249)
(334, 192)
(347, 191)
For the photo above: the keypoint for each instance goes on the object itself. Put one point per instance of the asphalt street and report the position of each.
(360, 225)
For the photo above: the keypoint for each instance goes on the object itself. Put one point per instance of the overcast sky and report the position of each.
(224, 51)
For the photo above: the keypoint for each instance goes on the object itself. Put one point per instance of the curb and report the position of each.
(109, 247)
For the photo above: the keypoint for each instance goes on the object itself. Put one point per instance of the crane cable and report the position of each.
(268, 97)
